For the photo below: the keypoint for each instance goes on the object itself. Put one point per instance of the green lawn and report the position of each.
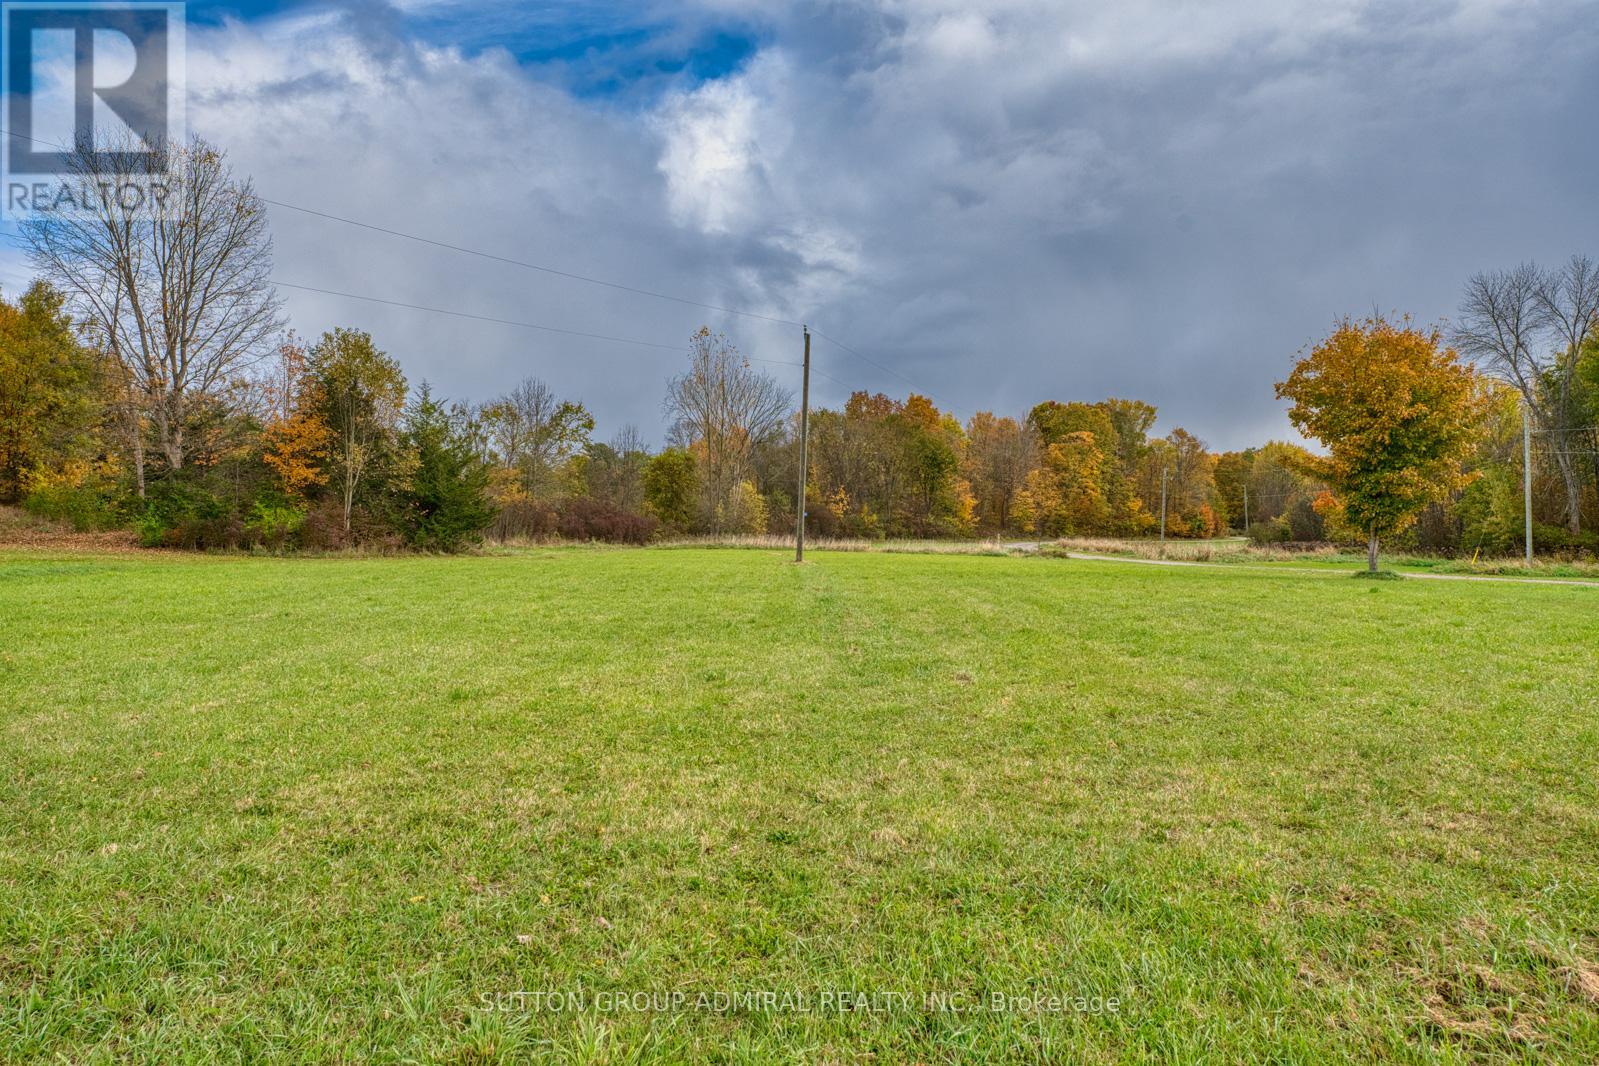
(313, 810)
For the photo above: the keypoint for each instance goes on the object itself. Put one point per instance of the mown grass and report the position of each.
(328, 810)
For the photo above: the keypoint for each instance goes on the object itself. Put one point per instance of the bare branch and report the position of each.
(182, 294)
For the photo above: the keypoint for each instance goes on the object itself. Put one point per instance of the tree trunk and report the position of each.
(138, 454)
(349, 497)
(1371, 552)
(131, 422)
(350, 474)
(169, 429)
(1573, 485)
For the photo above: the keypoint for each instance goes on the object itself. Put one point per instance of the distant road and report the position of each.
(1033, 545)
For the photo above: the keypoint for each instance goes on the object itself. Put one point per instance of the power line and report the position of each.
(525, 325)
(531, 266)
(1278, 495)
(636, 290)
(475, 317)
(504, 321)
(533, 325)
(493, 257)
(858, 355)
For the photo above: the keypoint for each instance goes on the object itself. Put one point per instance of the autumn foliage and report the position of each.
(295, 438)
(1398, 414)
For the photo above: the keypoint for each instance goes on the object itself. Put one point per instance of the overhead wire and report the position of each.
(588, 279)
(554, 271)
(531, 266)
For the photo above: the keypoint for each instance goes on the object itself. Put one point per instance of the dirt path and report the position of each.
(1091, 557)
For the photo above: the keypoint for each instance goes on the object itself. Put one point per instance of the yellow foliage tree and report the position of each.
(1066, 495)
(744, 510)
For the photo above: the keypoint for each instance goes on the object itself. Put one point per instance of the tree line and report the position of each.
(148, 379)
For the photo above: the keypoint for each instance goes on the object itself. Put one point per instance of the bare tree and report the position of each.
(1527, 326)
(629, 440)
(180, 293)
(723, 410)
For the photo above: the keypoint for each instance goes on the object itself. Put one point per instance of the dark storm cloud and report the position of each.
(1032, 201)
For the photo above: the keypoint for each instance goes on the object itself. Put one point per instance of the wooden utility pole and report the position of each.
(1526, 476)
(1163, 473)
(805, 443)
(1246, 510)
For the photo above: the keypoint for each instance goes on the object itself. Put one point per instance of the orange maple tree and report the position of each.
(295, 440)
(1397, 413)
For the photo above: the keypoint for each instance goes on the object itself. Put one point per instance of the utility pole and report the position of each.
(1246, 510)
(1164, 471)
(1526, 476)
(805, 443)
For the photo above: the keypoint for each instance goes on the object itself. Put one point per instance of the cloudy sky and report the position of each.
(997, 204)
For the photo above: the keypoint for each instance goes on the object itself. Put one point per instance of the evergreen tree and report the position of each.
(447, 501)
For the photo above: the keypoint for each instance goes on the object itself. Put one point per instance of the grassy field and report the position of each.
(314, 810)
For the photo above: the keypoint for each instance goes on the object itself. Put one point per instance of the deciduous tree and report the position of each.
(52, 389)
(537, 434)
(294, 437)
(722, 410)
(1397, 413)
(1067, 493)
(362, 394)
(614, 472)
(671, 488)
(181, 297)
(999, 454)
(1528, 326)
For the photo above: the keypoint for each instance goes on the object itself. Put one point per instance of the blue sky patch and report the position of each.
(593, 50)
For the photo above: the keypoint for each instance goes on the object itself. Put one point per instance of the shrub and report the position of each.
(84, 506)
(1436, 530)
(176, 514)
(1304, 522)
(1490, 513)
(273, 524)
(323, 530)
(1269, 532)
(744, 510)
(585, 518)
(1561, 540)
(225, 532)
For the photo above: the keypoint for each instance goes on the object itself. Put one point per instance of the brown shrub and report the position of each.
(523, 520)
(584, 518)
